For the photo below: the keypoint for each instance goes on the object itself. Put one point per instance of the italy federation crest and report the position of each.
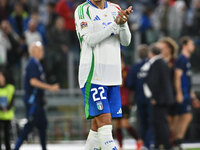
(99, 105)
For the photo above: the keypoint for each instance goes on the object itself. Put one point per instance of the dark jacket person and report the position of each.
(158, 89)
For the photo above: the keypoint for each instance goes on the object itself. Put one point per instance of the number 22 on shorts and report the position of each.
(96, 91)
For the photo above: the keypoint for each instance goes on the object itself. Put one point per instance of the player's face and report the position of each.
(165, 50)
(190, 46)
(40, 53)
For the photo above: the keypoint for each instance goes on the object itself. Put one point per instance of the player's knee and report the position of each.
(102, 120)
(94, 126)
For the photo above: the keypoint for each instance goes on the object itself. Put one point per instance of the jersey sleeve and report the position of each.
(82, 21)
(84, 27)
(33, 71)
(180, 64)
(125, 35)
(124, 32)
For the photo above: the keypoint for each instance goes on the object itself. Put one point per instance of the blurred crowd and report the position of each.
(162, 86)
(52, 22)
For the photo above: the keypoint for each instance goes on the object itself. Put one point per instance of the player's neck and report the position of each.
(167, 58)
(99, 4)
(186, 53)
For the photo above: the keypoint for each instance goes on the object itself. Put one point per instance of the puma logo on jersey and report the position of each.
(120, 111)
(96, 18)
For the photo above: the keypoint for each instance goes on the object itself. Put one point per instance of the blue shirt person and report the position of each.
(34, 96)
(135, 81)
(185, 97)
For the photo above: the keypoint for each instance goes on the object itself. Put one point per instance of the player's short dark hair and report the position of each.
(143, 51)
(154, 49)
(184, 41)
(171, 44)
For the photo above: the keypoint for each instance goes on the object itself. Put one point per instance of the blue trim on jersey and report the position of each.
(106, 4)
(31, 101)
(32, 97)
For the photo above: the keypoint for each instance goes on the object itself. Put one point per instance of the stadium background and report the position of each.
(148, 23)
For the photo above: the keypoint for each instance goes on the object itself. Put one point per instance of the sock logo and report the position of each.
(108, 142)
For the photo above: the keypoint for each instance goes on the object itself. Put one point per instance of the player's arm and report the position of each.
(85, 26)
(195, 100)
(96, 38)
(41, 85)
(124, 34)
(34, 74)
(179, 93)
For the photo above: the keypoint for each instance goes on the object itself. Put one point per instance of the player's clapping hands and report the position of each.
(123, 15)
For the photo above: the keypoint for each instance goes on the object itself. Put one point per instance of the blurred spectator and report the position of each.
(32, 35)
(40, 26)
(4, 45)
(196, 19)
(145, 24)
(171, 18)
(162, 14)
(158, 89)
(58, 46)
(65, 8)
(120, 123)
(13, 50)
(176, 20)
(7, 92)
(5, 10)
(25, 5)
(9, 44)
(19, 19)
(135, 81)
(169, 50)
(52, 15)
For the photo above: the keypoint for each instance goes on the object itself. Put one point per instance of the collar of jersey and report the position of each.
(106, 4)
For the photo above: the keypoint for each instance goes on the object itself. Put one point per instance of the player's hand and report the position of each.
(179, 98)
(129, 10)
(153, 102)
(55, 88)
(196, 103)
(123, 16)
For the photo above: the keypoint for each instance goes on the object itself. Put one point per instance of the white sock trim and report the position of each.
(106, 138)
(92, 142)
(106, 127)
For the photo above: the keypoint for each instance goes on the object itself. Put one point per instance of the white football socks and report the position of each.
(92, 142)
(105, 138)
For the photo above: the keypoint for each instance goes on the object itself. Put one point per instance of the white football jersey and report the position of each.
(99, 63)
